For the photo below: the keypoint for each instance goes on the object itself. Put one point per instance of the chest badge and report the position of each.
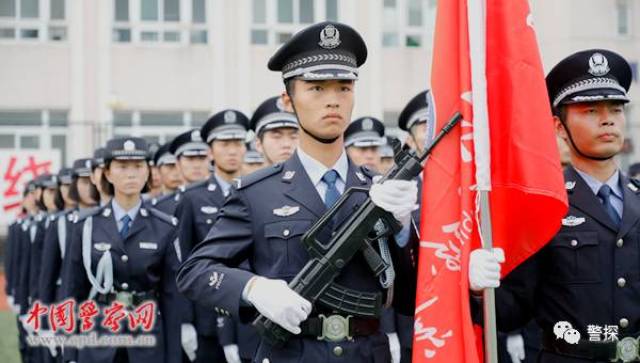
(286, 211)
(572, 221)
(208, 209)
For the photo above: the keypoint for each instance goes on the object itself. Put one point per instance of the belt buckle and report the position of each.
(125, 298)
(335, 328)
(627, 349)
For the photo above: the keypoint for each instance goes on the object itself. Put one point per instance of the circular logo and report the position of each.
(367, 124)
(329, 37)
(598, 65)
(129, 145)
(195, 135)
(229, 117)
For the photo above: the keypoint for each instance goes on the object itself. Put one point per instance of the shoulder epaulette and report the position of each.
(163, 216)
(84, 214)
(258, 175)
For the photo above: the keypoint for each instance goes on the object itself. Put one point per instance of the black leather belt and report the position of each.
(335, 328)
(626, 349)
(126, 298)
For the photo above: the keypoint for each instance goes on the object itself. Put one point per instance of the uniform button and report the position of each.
(124, 286)
(286, 232)
(124, 258)
(622, 282)
(620, 242)
(624, 323)
(574, 242)
(337, 350)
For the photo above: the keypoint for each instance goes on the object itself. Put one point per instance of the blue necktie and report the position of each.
(605, 196)
(126, 220)
(332, 194)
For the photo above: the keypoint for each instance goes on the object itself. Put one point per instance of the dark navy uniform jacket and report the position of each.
(588, 274)
(196, 211)
(249, 229)
(29, 251)
(167, 203)
(11, 254)
(53, 251)
(144, 262)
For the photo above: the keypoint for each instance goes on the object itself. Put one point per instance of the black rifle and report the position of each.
(315, 282)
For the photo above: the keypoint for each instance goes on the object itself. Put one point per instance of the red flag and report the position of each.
(522, 144)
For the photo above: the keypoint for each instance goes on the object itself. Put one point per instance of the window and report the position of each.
(407, 23)
(160, 21)
(157, 126)
(26, 20)
(275, 21)
(34, 129)
(623, 17)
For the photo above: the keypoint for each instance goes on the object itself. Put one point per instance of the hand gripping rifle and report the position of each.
(315, 282)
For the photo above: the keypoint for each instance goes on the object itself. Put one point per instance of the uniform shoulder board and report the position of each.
(84, 214)
(164, 216)
(195, 185)
(258, 175)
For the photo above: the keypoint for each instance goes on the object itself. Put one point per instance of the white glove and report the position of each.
(394, 347)
(26, 326)
(189, 340)
(484, 268)
(51, 344)
(515, 347)
(276, 301)
(231, 353)
(398, 197)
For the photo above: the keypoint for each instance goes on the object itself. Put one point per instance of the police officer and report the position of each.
(170, 180)
(97, 170)
(363, 139)
(276, 130)
(253, 159)
(386, 154)
(225, 133)
(155, 181)
(264, 218)
(128, 255)
(192, 156)
(586, 276)
(414, 119)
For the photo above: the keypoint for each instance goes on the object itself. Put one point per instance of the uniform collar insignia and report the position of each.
(288, 175)
(286, 211)
(211, 187)
(106, 212)
(570, 185)
(144, 212)
(632, 186)
(361, 177)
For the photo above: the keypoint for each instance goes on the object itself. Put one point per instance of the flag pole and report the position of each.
(488, 298)
(476, 16)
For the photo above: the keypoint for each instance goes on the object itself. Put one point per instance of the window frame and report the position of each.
(43, 24)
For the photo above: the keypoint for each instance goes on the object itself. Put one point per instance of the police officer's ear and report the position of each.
(259, 147)
(210, 153)
(561, 132)
(286, 97)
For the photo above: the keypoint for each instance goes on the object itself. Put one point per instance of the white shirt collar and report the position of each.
(316, 170)
(119, 212)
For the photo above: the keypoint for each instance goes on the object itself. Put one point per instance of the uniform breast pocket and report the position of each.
(286, 249)
(575, 257)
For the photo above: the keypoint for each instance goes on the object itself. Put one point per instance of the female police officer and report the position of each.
(128, 254)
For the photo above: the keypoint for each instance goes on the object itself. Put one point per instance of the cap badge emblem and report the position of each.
(129, 145)
(598, 65)
(229, 117)
(367, 124)
(329, 37)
